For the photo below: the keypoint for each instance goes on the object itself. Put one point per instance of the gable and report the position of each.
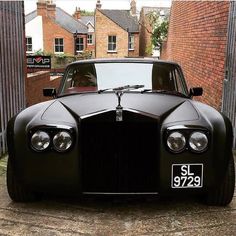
(90, 27)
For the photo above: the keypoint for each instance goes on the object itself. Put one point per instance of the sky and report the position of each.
(89, 5)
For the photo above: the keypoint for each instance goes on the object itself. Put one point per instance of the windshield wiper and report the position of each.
(164, 92)
(122, 88)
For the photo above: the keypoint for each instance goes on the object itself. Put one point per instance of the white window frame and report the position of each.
(79, 44)
(90, 39)
(58, 44)
(131, 42)
(28, 44)
(112, 43)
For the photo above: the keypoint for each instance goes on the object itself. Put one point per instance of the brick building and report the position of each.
(197, 41)
(116, 32)
(89, 22)
(51, 29)
(146, 28)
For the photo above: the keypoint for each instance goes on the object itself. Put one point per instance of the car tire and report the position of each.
(17, 191)
(223, 194)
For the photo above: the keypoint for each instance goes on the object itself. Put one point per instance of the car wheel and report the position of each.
(16, 191)
(223, 195)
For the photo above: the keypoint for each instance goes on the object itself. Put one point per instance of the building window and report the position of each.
(90, 39)
(131, 42)
(29, 45)
(111, 43)
(80, 44)
(59, 45)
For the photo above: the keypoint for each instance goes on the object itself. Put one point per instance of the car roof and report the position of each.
(128, 60)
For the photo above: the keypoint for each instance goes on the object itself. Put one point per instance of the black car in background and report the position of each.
(121, 126)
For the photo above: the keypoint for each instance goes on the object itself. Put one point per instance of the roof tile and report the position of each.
(123, 19)
(70, 23)
(29, 17)
(64, 20)
(87, 19)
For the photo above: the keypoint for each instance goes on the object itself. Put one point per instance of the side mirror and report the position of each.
(196, 91)
(49, 92)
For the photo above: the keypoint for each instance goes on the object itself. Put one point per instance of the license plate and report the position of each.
(187, 176)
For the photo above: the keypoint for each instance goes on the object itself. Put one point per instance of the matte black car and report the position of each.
(121, 126)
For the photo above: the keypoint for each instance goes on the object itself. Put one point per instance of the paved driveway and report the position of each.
(113, 217)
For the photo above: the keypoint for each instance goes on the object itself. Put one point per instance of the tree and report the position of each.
(159, 25)
(86, 13)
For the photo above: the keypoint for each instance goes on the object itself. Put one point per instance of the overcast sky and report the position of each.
(89, 5)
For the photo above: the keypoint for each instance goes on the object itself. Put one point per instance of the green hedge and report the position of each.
(61, 60)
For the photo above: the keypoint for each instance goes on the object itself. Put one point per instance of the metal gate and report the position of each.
(12, 64)
(229, 91)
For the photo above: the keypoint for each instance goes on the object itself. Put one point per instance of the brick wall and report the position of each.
(52, 70)
(163, 50)
(145, 36)
(51, 30)
(35, 83)
(104, 27)
(197, 41)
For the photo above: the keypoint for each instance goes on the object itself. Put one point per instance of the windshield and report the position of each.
(98, 76)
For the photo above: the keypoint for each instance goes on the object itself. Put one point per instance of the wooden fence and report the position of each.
(12, 64)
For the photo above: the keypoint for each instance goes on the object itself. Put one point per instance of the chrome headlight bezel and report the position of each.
(191, 144)
(181, 137)
(52, 131)
(66, 136)
(39, 135)
(187, 132)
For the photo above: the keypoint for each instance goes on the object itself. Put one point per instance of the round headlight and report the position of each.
(198, 141)
(62, 141)
(40, 140)
(176, 142)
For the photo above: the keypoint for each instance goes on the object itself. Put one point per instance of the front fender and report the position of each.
(16, 128)
(215, 159)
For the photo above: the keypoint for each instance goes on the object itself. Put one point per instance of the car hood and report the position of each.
(159, 105)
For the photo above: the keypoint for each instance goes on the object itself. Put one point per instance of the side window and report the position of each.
(81, 76)
(179, 84)
(111, 47)
(80, 44)
(68, 81)
(59, 45)
(162, 78)
(29, 44)
(131, 42)
(90, 39)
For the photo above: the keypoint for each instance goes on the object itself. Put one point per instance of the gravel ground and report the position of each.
(132, 216)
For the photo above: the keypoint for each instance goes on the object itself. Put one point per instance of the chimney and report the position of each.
(98, 4)
(51, 10)
(46, 8)
(41, 8)
(133, 8)
(77, 14)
